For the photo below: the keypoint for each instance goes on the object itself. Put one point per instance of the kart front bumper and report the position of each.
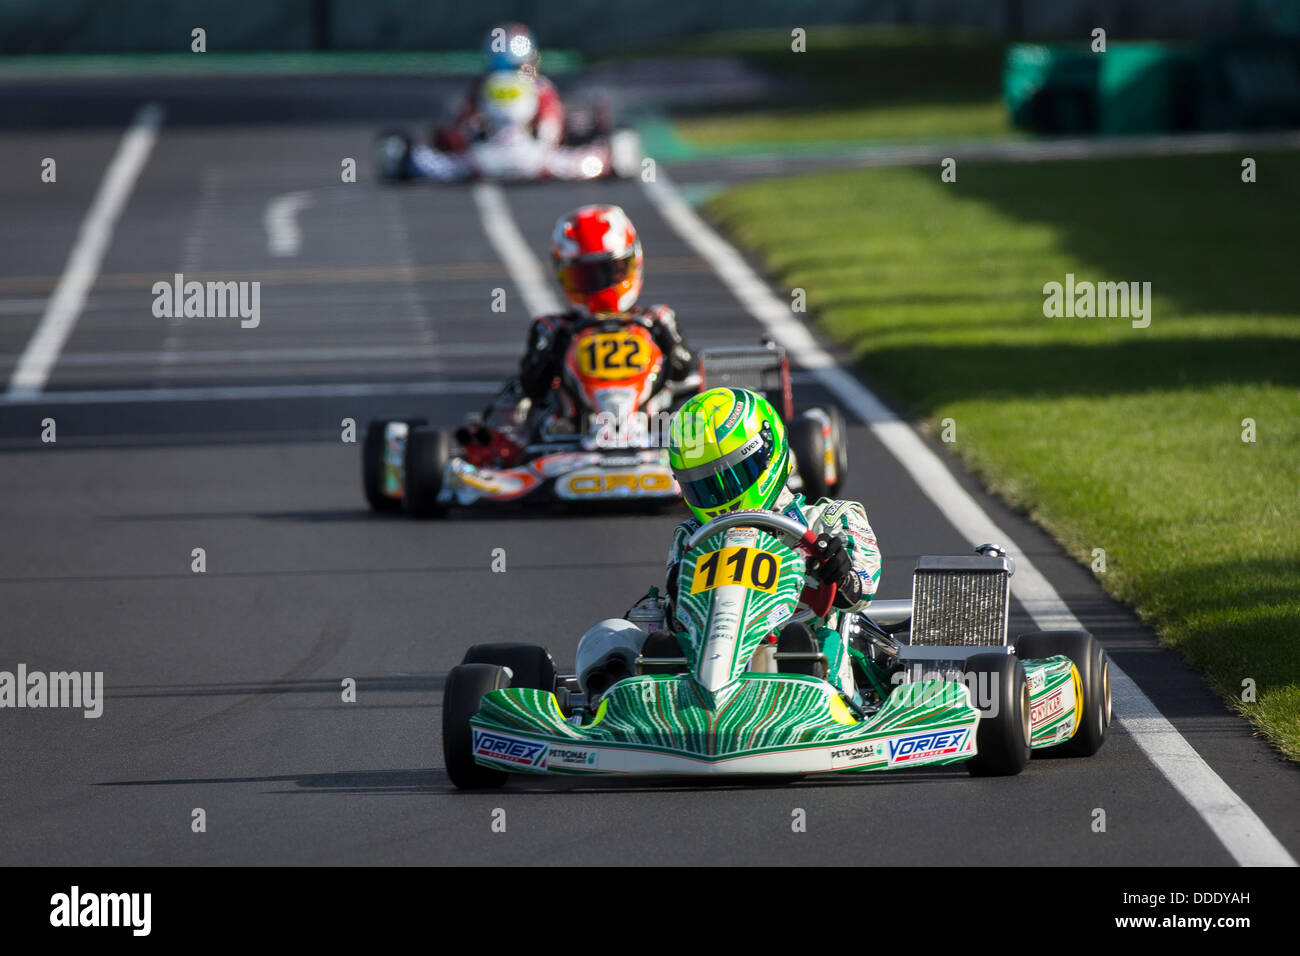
(766, 725)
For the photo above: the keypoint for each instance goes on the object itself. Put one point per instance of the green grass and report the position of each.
(855, 84)
(1109, 436)
(834, 126)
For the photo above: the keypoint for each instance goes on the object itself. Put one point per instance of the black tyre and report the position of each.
(1093, 664)
(797, 639)
(372, 466)
(530, 664)
(840, 445)
(427, 452)
(1000, 690)
(808, 445)
(461, 698)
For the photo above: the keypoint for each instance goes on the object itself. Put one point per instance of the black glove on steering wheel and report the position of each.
(830, 564)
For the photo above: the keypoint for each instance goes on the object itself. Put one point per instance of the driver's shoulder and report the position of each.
(658, 311)
(555, 320)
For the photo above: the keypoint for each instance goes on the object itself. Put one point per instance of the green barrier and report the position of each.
(1145, 88)
(1136, 88)
(1051, 89)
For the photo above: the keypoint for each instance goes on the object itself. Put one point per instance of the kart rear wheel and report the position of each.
(1000, 691)
(1093, 664)
(808, 445)
(840, 448)
(372, 466)
(530, 664)
(428, 450)
(461, 697)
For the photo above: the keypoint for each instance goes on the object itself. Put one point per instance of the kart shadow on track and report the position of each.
(434, 781)
(660, 785)
(409, 683)
(343, 782)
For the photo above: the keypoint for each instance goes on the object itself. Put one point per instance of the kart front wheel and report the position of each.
(530, 664)
(372, 466)
(1093, 664)
(461, 698)
(428, 451)
(1000, 691)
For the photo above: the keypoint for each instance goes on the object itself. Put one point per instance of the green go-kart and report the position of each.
(768, 679)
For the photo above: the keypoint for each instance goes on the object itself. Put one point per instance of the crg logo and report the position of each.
(618, 483)
(924, 746)
(509, 748)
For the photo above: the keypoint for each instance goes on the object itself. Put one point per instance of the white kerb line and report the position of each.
(525, 270)
(65, 305)
(1232, 821)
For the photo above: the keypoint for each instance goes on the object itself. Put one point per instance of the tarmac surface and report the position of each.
(223, 689)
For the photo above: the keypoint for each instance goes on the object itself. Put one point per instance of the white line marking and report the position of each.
(1236, 825)
(283, 234)
(525, 270)
(109, 396)
(65, 305)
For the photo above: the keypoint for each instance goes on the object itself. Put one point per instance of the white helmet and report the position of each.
(607, 653)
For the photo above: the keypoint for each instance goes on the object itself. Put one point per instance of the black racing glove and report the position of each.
(830, 564)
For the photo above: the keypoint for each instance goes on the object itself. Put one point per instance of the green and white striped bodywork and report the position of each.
(734, 589)
(764, 724)
(725, 624)
(719, 718)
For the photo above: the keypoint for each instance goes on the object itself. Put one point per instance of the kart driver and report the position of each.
(597, 259)
(511, 48)
(728, 451)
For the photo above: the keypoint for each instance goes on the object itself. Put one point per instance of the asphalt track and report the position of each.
(224, 688)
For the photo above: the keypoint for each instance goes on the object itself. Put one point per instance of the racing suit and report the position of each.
(470, 123)
(548, 340)
(846, 520)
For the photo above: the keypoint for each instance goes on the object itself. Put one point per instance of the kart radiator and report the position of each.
(962, 600)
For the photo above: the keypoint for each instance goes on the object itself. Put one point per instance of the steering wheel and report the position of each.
(789, 531)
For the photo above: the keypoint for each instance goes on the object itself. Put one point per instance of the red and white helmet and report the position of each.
(597, 258)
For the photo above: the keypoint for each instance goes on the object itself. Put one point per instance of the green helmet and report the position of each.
(728, 450)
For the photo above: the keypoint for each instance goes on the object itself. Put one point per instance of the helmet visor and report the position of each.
(595, 275)
(728, 482)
